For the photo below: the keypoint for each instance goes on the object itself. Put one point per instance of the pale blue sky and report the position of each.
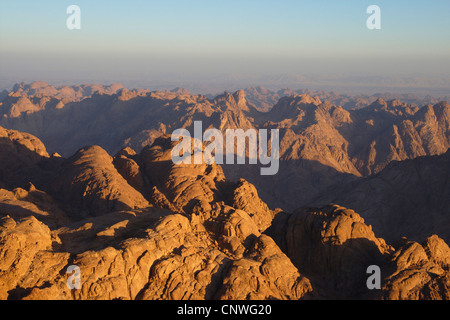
(137, 39)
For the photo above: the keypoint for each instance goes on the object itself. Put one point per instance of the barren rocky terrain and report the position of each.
(140, 227)
(322, 144)
(356, 188)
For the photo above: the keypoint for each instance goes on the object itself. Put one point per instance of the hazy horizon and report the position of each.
(226, 45)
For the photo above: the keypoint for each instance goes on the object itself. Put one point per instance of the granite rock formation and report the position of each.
(141, 227)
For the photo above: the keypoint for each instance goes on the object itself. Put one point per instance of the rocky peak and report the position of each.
(239, 97)
(232, 102)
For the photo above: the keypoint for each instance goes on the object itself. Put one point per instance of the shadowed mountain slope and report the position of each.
(141, 227)
(410, 198)
(321, 143)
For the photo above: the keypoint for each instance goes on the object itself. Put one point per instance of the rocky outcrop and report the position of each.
(245, 197)
(89, 182)
(23, 246)
(126, 165)
(184, 185)
(144, 255)
(421, 272)
(265, 273)
(139, 226)
(98, 219)
(332, 246)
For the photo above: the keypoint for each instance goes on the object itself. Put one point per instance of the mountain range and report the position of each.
(356, 188)
(321, 144)
(140, 227)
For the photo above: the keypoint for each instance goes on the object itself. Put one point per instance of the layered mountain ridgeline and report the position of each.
(321, 144)
(65, 93)
(140, 227)
(264, 99)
